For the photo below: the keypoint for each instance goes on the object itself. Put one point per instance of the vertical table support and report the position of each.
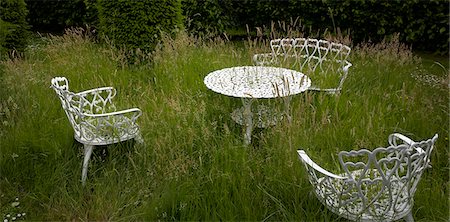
(287, 107)
(257, 82)
(248, 119)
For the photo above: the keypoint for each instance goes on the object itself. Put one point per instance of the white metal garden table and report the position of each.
(257, 82)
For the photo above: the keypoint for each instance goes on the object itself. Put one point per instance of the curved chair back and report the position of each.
(311, 56)
(375, 185)
(307, 52)
(68, 102)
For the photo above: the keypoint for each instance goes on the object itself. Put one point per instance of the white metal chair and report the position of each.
(377, 185)
(312, 57)
(94, 118)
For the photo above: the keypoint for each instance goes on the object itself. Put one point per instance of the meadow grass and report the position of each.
(194, 165)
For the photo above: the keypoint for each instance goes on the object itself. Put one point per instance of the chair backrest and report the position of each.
(77, 105)
(69, 102)
(309, 53)
(384, 180)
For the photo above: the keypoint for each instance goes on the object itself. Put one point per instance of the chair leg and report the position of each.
(409, 217)
(138, 138)
(87, 155)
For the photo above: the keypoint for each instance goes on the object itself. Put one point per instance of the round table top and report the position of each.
(257, 82)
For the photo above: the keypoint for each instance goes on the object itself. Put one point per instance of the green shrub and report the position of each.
(4, 31)
(91, 16)
(14, 28)
(423, 24)
(56, 15)
(139, 24)
(427, 26)
(206, 17)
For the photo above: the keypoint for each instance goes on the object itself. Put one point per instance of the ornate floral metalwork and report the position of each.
(307, 55)
(94, 118)
(257, 82)
(376, 185)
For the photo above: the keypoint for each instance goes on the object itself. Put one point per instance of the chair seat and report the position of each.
(329, 91)
(263, 116)
(344, 199)
(104, 131)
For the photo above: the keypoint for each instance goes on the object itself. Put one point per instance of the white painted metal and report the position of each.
(307, 55)
(94, 118)
(376, 185)
(264, 116)
(256, 82)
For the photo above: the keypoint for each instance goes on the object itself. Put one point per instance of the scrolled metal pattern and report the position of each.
(94, 118)
(376, 185)
(307, 55)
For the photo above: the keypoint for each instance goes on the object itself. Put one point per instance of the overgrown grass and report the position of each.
(194, 165)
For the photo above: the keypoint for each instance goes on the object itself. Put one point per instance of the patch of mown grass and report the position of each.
(194, 165)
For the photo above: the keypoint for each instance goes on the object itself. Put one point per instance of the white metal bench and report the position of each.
(323, 61)
(377, 185)
(94, 118)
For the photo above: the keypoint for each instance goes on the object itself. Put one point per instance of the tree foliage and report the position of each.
(423, 24)
(56, 15)
(207, 16)
(13, 25)
(139, 24)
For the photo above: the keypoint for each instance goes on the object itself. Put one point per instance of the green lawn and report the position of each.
(194, 165)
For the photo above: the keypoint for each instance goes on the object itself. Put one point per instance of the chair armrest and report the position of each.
(393, 138)
(98, 90)
(137, 112)
(347, 66)
(305, 159)
(263, 59)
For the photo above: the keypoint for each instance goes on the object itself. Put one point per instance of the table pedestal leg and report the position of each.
(287, 108)
(248, 120)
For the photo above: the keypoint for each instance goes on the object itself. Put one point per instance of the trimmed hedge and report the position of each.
(207, 17)
(56, 15)
(139, 24)
(4, 31)
(423, 24)
(13, 25)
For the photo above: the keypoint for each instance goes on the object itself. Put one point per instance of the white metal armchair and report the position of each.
(377, 185)
(94, 118)
(323, 61)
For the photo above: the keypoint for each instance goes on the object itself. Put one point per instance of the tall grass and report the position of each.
(194, 165)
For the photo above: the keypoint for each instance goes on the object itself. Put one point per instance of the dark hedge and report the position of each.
(423, 24)
(56, 15)
(139, 24)
(13, 26)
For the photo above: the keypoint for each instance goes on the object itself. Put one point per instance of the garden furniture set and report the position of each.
(378, 185)
(309, 58)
